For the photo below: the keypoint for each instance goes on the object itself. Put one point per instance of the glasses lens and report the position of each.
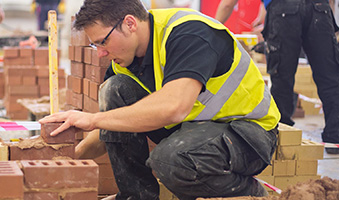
(94, 46)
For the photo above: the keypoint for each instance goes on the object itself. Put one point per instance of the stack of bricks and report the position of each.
(11, 181)
(48, 180)
(295, 160)
(87, 73)
(48, 171)
(26, 76)
(45, 147)
(60, 179)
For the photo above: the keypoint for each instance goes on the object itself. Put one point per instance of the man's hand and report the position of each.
(70, 118)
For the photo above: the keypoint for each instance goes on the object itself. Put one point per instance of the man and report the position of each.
(225, 9)
(42, 10)
(290, 25)
(182, 80)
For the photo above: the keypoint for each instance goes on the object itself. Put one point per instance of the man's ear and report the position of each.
(131, 22)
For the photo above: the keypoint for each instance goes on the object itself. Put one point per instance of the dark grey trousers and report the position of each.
(193, 159)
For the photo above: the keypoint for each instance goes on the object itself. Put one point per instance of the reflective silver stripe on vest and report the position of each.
(227, 89)
(213, 103)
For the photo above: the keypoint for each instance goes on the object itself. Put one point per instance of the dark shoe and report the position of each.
(331, 148)
(258, 190)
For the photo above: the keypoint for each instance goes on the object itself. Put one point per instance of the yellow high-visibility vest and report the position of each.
(240, 93)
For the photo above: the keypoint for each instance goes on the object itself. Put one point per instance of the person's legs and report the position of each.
(322, 50)
(282, 34)
(127, 151)
(207, 159)
(43, 14)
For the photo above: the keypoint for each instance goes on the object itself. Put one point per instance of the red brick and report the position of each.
(29, 80)
(98, 74)
(41, 56)
(20, 70)
(40, 150)
(77, 85)
(13, 106)
(82, 195)
(87, 103)
(88, 55)
(2, 75)
(78, 53)
(2, 91)
(69, 82)
(11, 52)
(11, 181)
(26, 61)
(26, 52)
(43, 71)
(86, 86)
(105, 171)
(69, 97)
(41, 196)
(77, 100)
(67, 136)
(79, 135)
(91, 105)
(43, 81)
(78, 69)
(12, 61)
(29, 71)
(88, 71)
(107, 185)
(71, 52)
(60, 173)
(23, 90)
(13, 80)
(43, 90)
(94, 88)
(20, 115)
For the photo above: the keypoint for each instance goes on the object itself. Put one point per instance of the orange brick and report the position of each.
(23, 90)
(78, 69)
(94, 88)
(11, 181)
(11, 52)
(77, 85)
(84, 174)
(26, 52)
(78, 53)
(71, 52)
(29, 80)
(86, 86)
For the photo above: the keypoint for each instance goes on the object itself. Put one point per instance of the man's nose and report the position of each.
(101, 52)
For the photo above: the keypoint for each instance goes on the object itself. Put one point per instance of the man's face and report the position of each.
(120, 45)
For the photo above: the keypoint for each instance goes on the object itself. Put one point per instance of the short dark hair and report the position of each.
(108, 12)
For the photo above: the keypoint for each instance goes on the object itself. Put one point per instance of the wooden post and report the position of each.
(53, 61)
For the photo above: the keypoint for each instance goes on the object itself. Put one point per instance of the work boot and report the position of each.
(258, 190)
(332, 150)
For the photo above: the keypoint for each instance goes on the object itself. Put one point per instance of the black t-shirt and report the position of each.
(193, 50)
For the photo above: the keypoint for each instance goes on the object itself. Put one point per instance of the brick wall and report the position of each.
(26, 75)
